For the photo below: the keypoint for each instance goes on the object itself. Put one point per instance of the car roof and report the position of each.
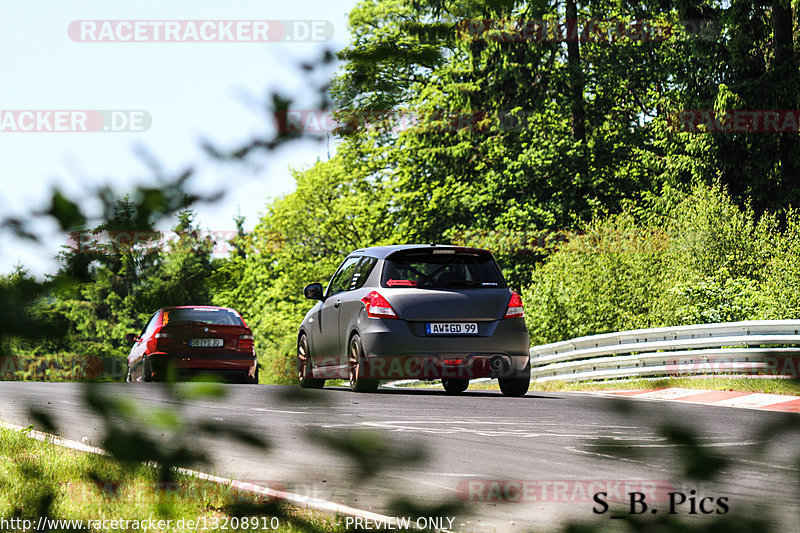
(200, 307)
(381, 252)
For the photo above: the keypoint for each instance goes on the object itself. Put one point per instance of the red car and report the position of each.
(191, 340)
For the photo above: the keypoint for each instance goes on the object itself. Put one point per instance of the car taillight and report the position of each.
(246, 343)
(377, 306)
(163, 340)
(515, 309)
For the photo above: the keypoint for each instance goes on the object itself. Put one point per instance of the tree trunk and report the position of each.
(575, 72)
(785, 70)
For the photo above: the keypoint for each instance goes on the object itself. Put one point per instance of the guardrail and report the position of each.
(769, 347)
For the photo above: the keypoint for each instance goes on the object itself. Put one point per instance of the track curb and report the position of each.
(720, 398)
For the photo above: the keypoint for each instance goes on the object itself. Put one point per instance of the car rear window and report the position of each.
(441, 268)
(218, 317)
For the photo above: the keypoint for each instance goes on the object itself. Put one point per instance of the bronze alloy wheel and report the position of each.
(355, 358)
(304, 372)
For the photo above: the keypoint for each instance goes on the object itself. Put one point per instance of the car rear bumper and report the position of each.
(394, 349)
(233, 366)
(446, 366)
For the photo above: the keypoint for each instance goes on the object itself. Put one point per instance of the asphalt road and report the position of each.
(548, 453)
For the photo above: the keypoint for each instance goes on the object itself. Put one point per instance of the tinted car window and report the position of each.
(341, 280)
(441, 269)
(362, 272)
(150, 327)
(221, 317)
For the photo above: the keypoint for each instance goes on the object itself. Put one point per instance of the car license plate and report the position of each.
(451, 328)
(205, 343)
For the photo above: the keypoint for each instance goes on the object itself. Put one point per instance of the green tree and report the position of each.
(185, 270)
(106, 269)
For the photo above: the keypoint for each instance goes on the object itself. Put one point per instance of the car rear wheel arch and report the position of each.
(353, 333)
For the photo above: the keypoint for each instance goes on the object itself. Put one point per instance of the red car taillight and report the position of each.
(515, 309)
(377, 306)
(163, 340)
(246, 343)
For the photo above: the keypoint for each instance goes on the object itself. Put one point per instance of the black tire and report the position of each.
(304, 366)
(147, 374)
(455, 386)
(355, 359)
(514, 386)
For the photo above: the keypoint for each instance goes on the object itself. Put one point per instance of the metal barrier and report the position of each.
(755, 347)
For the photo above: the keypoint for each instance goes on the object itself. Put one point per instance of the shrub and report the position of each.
(707, 261)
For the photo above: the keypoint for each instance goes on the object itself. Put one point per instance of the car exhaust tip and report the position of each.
(498, 363)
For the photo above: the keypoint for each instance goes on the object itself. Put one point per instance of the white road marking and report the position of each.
(479, 427)
(262, 410)
(445, 474)
(675, 445)
(760, 463)
(617, 458)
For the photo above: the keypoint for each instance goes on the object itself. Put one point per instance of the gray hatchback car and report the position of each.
(415, 312)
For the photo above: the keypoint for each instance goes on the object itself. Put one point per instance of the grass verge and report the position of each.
(41, 479)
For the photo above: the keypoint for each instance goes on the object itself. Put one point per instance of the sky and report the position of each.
(186, 90)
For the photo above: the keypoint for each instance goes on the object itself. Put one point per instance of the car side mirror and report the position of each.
(131, 337)
(313, 291)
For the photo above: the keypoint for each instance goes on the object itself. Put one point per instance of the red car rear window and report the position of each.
(218, 317)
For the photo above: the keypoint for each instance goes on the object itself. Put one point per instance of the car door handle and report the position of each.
(337, 303)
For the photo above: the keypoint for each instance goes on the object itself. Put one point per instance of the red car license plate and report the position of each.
(205, 343)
